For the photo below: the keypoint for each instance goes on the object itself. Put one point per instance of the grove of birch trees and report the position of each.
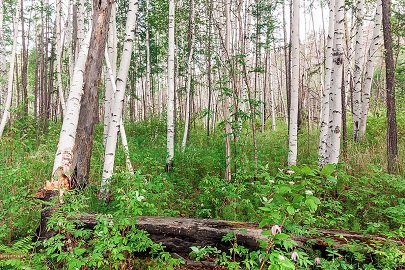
(237, 67)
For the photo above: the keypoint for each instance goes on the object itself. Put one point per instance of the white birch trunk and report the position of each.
(112, 57)
(272, 99)
(80, 27)
(327, 84)
(228, 172)
(295, 77)
(6, 113)
(64, 153)
(335, 100)
(170, 88)
(188, 86)
(69, 39)
(357, 72)
(3, 66)
(371, 59)
(124, 140)
(59, 55)
(119, 98)
(148, 89)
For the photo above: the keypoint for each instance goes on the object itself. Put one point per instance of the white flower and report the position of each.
(271, 181)
(275, 229)
(308, 192)
(291, 183)
(139, 198)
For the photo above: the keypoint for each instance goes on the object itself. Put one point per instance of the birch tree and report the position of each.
(369, 69)
(357, 73)
(121, 129)
(327, 85)
(119, 97)
(112, 60)
(189, 73)
(64, 152)
(59, 55)
(295, 75)
(3, 66)
(228, 172)
(7, 105)
(335, 99)
(170, 89)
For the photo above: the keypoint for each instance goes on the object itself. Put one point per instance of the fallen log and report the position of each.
(179, 234)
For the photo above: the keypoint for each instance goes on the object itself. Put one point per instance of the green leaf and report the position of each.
(307, 170)
(298, 199)
(290, 210)
(281, 236)
(296, 169)
(284, 190)
(328, 169)
(312, 202)
(265, 209)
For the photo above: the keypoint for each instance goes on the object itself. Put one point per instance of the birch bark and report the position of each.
(189, 71)
(357, 73)
(327, 84)
(59, 55)
(3, 66)
(6, 113)
(64, 153)
(335, 99)
(170, 89)
(80, 27)
(371, 59)
(228, 172)
(118, 101)
(112, 60)
(122, 129)
(295, 78)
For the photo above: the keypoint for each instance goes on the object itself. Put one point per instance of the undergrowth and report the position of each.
(357, 195)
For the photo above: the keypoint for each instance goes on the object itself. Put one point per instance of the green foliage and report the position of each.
(357, 195)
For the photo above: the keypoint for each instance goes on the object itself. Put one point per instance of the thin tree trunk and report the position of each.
(357, 73)
(323, 158)
(117, 108)
(64, 153)
(371, 59)
(293, 124)
(24, 71)
(59, 55)
(121, 129)
(3, 66)
(287, 62)
(335, 100)
(191, 38)
(6, 113)
(209, 71)
(112, 57)
(228, 153)
(392, 133)
(148, 90)
(170, 89)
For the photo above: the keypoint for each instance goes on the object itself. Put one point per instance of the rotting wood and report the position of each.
(179, 234)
